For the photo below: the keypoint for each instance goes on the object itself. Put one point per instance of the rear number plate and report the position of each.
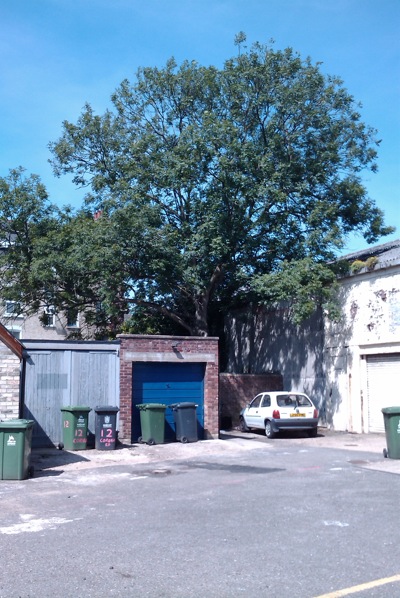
(297, 415)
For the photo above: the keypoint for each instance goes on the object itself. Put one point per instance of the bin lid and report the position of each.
(391, 410)
(76, 408)
(183, 406)
(144, 406)
(106, 409)
(17, 423)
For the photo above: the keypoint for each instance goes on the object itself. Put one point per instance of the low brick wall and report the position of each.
(9, 384)
(138, 348)
(236, 390)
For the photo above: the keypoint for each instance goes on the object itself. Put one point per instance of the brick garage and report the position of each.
(138, 349)
(10, 375)
(9, 384)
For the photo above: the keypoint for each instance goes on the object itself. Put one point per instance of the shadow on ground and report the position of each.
(46, 459)
(260, 434)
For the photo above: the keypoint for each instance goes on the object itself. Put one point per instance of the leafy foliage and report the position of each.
(214, 185)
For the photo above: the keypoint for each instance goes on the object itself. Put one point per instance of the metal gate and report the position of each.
(58, 377)
(168, 383)
(383, 375)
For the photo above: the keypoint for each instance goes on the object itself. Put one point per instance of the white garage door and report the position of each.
(383, 377)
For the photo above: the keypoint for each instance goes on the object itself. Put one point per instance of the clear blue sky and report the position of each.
(55, 55)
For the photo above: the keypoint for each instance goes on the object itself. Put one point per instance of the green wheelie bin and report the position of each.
(391, 418)
(15, 449)
(75, 427)
(152, 422)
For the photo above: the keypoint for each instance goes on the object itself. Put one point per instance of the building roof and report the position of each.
(11, 342)
(388, 254)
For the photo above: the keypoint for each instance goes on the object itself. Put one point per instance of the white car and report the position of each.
(280, 410)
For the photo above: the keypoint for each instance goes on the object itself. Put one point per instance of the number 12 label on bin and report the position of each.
(106, 436)
(80, 438)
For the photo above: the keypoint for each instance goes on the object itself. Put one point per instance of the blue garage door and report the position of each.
(168, 383)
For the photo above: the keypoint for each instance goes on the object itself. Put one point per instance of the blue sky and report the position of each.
(55, 55)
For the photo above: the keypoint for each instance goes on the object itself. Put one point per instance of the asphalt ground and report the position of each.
(293, 517)
(53, 459)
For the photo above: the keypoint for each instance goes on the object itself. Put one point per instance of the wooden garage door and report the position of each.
(55, 379)
(167, 383)
(383, 375)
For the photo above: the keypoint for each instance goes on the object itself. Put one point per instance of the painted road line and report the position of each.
(361, 588)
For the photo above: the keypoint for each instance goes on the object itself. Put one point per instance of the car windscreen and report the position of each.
(293, 400)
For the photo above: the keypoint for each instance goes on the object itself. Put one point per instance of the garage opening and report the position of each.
(383, 375)
(167, 383)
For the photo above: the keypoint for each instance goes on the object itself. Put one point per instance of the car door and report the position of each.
(253, 416)
(265, 411)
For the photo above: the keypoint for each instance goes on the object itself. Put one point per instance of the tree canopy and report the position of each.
(212, 187)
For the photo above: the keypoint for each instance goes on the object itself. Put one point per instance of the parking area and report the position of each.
(243, 515)
(47, 460)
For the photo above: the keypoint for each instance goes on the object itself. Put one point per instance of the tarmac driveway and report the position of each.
(240, 516)
(46, 461)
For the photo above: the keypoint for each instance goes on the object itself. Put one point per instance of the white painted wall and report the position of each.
(324, 359)
(370, 326)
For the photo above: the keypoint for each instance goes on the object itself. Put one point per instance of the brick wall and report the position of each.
(9, 384)
(137, 348)
(236, 390)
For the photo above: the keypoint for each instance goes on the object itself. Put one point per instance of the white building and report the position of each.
(351, 368)
(362, 352)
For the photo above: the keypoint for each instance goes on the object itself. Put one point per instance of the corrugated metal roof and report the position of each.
(388, 254)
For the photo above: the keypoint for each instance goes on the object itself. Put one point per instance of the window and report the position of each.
(282, 400)
(11, 309)
(49, 319)
(72, 319)
(266, 402)
(256, 402)
(303, 401)
(16, 332)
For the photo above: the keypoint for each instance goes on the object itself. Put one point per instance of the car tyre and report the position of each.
(313, 433)
(269, 433)
(242, 425)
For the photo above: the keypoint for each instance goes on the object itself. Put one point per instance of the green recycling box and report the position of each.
(391, 418)
(15, 449)
(75, 427)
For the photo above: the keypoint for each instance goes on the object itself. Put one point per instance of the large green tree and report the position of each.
(215, 184)
(27, 219)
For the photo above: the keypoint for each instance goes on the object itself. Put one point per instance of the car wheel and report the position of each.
(242, 425)
(313, 433)
(269, 433)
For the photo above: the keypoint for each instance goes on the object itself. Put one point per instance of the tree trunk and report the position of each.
(200, 316)
(202, 302)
